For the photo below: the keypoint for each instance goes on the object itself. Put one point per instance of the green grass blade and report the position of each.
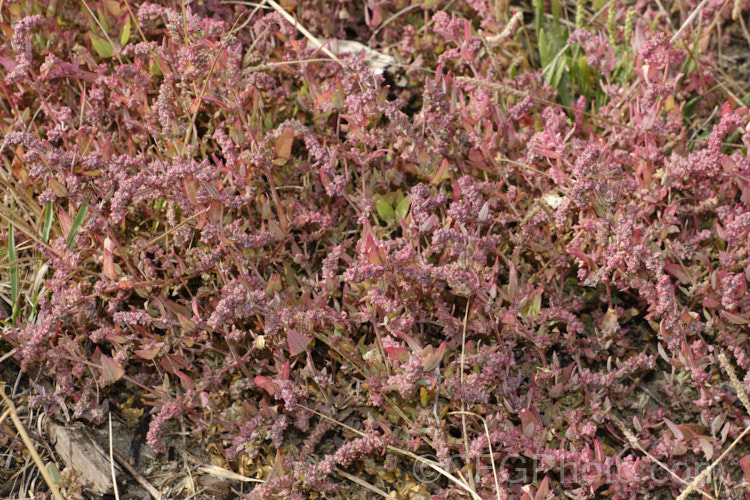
(543, 46)
(48, 217)
(77, 223)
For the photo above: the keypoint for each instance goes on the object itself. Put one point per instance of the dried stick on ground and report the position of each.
(30, 445)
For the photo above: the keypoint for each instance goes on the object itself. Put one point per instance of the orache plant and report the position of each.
(470, 262)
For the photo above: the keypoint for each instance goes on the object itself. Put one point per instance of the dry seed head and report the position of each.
(580, 11)
(629, 24)
(611, 21)
(741, 393)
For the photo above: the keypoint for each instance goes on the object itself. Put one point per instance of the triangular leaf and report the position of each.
(402, 207)
(297, 342)
(112, 371)
(442, 173)
(148, 354)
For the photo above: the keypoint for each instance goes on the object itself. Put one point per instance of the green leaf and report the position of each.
(102, 46)
(154, 68)
(402, 208)
(424, 396)
(563, 92)
(689, 108)
(599, 4)
(543, 49)
(384, 209)
(54, 473)
(689, 66)
(125, 34)
(77, 223)
(534, 305)
(48, 218)
(102, 19)
(560, 68)
(584, 73)
(556, 15)
(538, 6)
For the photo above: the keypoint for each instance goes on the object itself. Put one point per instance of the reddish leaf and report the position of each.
(708, 450)
(283, 144)
(543, 490)
(66, 223)
(195, 105)
(745, 464)
(443, 172)
(286, 371)
(432, 359)
(710, 303)
(324, 98)
(186, 381)
(678, 272)
(213, 100)
(108, 264)
(266, 384)
(172, 363)
(216, 211)
(577, 252)
(531, 422)
(676, 431)
(413, 344)
(398, 354)
(8, 64)
(148, 354)
(187, 325)
(297, 341)
(378, 154)
(112, 371)
(735, 319)
(58, 188)
(599, 455)
(191, 189)
(372, 251)
(512, 282)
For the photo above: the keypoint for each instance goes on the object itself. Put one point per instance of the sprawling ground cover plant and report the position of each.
(512, 259)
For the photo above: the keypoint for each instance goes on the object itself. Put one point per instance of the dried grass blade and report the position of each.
(12, 257)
